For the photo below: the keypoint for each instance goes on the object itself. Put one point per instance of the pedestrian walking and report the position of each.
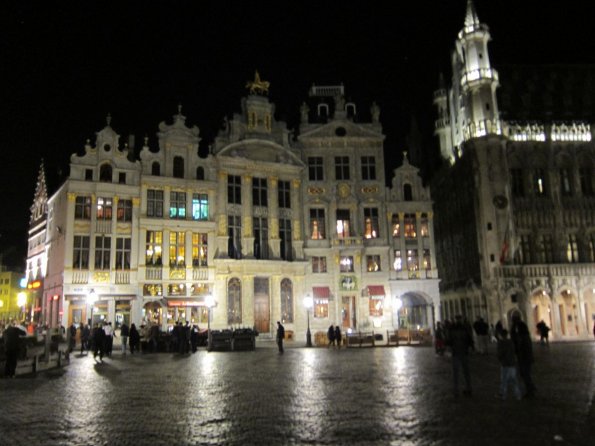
(194, 338)
(460, 341)
(507, 359)
(524, 351)
(544, 331)
(11, 337)
(330, 334)
(124, 334)
(338, 336)
(439, 338)
(134, 339)
(280, 336)
(85, 335)
(98, 342)
(482, 332)
(71, 337)
(108, 339)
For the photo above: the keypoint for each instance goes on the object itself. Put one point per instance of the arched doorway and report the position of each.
(414, 319)
(541, 307)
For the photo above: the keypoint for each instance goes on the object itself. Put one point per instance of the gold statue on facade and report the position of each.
(257, 85)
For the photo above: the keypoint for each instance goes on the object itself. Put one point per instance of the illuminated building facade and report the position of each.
(515, 227)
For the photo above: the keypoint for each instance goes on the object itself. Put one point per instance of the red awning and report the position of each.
(375, 290)
(321, 292)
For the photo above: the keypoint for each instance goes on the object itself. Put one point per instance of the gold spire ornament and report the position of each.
(257, 85)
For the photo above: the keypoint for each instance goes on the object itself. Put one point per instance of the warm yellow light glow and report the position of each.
(21, 299)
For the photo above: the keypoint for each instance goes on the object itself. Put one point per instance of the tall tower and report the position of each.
(473, 103)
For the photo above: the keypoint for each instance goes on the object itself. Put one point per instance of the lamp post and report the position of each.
(91, 299)
(308, 303)
(210, 301)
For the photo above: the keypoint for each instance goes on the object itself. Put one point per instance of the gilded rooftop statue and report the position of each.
(257, 86)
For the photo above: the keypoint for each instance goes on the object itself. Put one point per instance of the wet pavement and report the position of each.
(367, 396)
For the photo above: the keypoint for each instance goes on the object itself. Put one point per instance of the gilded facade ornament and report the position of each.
(135, 202)
(296, 183)
(101, 276)
(257, 85)
(343, 190)
(71, 197)
(312, 190)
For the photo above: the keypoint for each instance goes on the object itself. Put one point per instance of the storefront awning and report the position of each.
(321, 292)
(375, 290)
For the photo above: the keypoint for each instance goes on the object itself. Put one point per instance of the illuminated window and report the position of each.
(153, 254)
(376, 306)
(343, 230)
(317, 226)
(398, 262)
(286, 301)
(539, 183)
(318, 265)
(123, 250)
(104, 209)
(200, 206)
(234, 301)
(572, 249)
(368, 168)
(315, 168)
(200, 249)
(396, 225)
(321, 308)
(427, 261)
(124, 212)
(341, 167)
(284, 194)
(154, 203)
(373, 263)
(102, 252)
(409, 224)
(412, 260)
(259, 192)
(177, 249)
(234, 189)
(424, 226)
(177, 205)
(176, 289)
(80, 254)
(346, 264)
(371, 223)
(82, 208)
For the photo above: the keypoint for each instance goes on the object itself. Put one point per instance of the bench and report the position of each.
(361, 338)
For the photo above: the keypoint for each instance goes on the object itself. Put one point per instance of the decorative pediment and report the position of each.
(178, 133)
(261, 151)
(341, 129)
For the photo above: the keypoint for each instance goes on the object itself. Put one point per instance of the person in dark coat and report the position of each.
(71, 337)
(460, 341)
(124, 334)
(544, 333)
(338, 336)
(134, 339)
(330, 334)
(12, 343)
(521, 338)
(280, 336)
(194, 338)
(85, 335)
(98, 342)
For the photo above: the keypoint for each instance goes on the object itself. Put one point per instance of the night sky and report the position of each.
(66, 65)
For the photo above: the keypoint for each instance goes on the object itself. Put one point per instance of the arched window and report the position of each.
(200, 173)
(323, 111)
(286, 301)
(350, 108)
(234, 301)
(155, 169)
(178, 167)
(407, 192)
(105, 173)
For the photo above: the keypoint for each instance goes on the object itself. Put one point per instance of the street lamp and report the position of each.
(91, 299)
(308, 303)
(210, 302)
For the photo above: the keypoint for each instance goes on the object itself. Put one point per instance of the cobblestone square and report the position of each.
(368, 396)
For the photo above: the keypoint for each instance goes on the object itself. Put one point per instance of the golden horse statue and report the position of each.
(257, 85)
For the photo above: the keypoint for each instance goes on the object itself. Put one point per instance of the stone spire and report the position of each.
(40, 197)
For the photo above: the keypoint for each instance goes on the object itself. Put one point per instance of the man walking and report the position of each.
(524, 351)
(460, 341)
(280, 336)
(124, 333)
(11, 337)
(482, 331)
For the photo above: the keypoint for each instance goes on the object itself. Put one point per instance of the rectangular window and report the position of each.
(586, 179)
(104, 209)
(368, 168)
(234, 232)
(545, 252)
(80, 255)
(539, 183)
(177, 249)
(572, 249)
(341, 167)
(424, 226)
(346, 264)
(102, 252)
(373, 263)
(153, 253)
(516, 178)
(285, 236)
(200, 249)
(200, 206)
(343, 230)
(177, 205)
(371, 229)
(315, 168)
(123, 252)
(284, 195)
(525, 255)
(259, 192)
(122, 177)
(82, 208)
(427, 261)
(317, 225)
(409, 225)
(396, 225)
(260, 228)
(565, 183)
(376, 306)
(234, 189)
(154, 203)
(124, 210)
(88, 174)
(412, 260)
(318, 265)
(320, 308)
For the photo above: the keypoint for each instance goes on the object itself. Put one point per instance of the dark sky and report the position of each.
(65, 65)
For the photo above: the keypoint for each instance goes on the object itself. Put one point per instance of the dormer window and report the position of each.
(322, 110)
(105, 173)
(200, 173)
(350, 109)
(155, 169)
(88, 174)
(178, 167)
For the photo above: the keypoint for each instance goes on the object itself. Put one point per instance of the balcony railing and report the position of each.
(122, 277)
(552, 270)
(80, 276)
(153, 273)
(200, 273)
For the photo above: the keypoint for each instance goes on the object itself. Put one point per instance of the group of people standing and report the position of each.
(334, 336)
(100, 339)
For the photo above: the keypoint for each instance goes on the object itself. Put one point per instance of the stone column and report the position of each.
(221, 216)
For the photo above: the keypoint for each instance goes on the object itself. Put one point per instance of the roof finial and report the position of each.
(179, 109)
(108, 119)
(471, 18)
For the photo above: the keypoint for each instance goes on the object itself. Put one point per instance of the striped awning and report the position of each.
(321, 292)
(375, 290)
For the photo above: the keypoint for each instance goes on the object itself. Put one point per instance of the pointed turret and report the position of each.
(40, 198)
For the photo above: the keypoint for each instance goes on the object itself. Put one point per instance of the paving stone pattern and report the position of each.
(367, 396)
